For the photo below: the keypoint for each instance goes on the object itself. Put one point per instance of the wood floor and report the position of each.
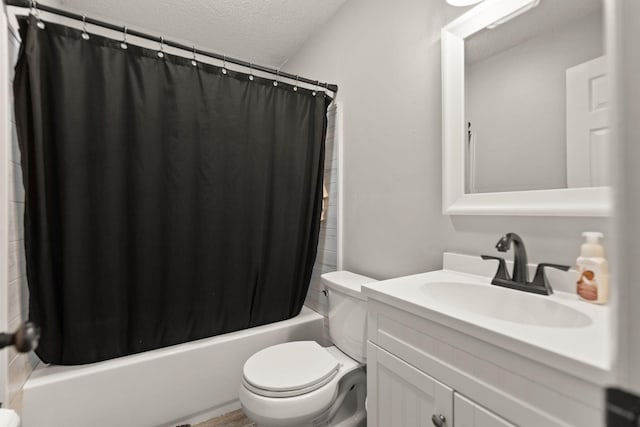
(232, 419)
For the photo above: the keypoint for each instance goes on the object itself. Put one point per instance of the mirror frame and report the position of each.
(588, 201)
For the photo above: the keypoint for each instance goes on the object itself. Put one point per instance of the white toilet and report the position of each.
(301, 383)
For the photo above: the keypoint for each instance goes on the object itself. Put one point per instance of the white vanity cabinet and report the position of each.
(400, 395)
(407, 397)
(422, 365)
(469, 414)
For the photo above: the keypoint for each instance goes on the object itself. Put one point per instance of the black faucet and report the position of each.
(520, 261)
(520, 279)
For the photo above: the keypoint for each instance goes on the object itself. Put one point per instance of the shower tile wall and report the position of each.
(326, 260)
(20, 365)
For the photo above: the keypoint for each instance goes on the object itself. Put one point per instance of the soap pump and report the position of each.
(593, 270)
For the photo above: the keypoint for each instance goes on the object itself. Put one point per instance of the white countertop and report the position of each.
(583, 351)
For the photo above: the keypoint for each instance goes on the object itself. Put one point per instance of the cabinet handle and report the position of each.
(438, 420)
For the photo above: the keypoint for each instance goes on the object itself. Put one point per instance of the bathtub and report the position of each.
(186, 383)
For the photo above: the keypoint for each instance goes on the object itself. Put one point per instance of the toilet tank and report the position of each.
(347, 312)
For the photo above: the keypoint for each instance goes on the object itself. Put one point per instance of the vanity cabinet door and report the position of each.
(399, 395)
(469, 414)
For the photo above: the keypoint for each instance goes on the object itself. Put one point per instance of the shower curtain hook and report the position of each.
(124, 38)
(295, 88)
(36, 13)
(315, 90)
(224, 64)
(194, 61)
(251, 71)
(85, 35)
(275, 83)
(161, 51)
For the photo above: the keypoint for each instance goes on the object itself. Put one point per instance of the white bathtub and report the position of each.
(186, 383)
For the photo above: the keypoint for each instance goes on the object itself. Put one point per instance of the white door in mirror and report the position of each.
(588, 124)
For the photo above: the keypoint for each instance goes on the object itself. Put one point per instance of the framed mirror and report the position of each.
(526, 110)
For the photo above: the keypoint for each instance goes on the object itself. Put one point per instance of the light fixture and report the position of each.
(523, 9)
(463, 2)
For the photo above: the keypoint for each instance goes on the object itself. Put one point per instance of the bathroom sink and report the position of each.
(504, 304)
(558, 330)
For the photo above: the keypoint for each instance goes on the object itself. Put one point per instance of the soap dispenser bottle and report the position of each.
(593, 270)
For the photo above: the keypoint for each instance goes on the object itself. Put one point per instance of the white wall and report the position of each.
(4, 178)
(20, 366)
(516, 103)
(628, 195)
(385, 57)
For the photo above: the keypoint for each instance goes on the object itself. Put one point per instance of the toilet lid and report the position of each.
(290, 367)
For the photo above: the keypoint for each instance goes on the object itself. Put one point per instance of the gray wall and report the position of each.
(521, 136)
(385, 56)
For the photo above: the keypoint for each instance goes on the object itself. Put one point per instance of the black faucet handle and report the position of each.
(540, 279)
(543, 265)
(502, 272)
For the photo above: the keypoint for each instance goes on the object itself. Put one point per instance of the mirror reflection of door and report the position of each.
(588, 149)
(533, 115)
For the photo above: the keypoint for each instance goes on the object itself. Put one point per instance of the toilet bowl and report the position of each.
(277, 396)
(301, 383)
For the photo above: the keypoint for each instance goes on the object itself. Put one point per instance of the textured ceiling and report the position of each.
(266, 32)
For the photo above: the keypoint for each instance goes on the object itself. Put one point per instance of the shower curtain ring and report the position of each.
(124, 38)
(275, 83)
(161, 51)
(251, 71)
(224, 64)
(85, 35)
(295, 88)
(194, 61)
(36, 13)
(315, 90)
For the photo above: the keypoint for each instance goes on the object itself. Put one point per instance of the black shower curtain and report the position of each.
(164, 202)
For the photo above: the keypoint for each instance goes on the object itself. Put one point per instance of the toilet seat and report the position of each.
(289, 369)
(297, 410)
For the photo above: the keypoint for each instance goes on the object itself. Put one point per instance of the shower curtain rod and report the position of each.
(64, 13)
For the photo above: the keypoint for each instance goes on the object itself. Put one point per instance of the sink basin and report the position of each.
(504, 304)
